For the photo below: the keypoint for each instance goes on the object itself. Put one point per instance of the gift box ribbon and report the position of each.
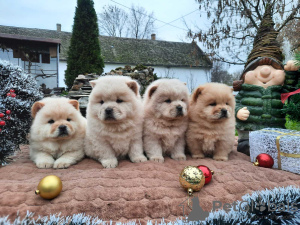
(285, 96)
(278, 146)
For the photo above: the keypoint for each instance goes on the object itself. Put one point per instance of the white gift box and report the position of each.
(283, 145)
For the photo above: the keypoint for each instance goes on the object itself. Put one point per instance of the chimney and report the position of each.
(153, 37)
(58, 27)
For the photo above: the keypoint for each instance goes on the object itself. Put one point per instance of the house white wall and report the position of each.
(48, 68)
(192, 76)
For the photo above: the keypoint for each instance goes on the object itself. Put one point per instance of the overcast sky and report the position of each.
(46, 13)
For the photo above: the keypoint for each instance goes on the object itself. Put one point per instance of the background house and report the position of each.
(185, 61)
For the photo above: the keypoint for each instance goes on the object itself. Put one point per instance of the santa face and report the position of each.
(265, 76)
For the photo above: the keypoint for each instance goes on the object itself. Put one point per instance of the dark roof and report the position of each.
(26, 38)
(126, 50)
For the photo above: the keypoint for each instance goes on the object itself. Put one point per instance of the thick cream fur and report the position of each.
(106, 140)
(163, 130)
(207, 134)
(49, 150)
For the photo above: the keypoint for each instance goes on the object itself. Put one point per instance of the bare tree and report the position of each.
(113, 21)
(141, 23)
(208, 75)
(234, 24)
(169, 74)
(191, 81)
(291, 33)
(236, 75)
(220, 74)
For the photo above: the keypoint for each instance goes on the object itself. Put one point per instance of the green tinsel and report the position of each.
(292, 108)
(297, 58)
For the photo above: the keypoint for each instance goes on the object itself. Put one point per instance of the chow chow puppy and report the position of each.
(165, 119)
(57, 133)
(114, 121)
(211, 130)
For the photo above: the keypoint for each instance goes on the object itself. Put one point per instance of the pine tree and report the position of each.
(297, 57)
(84, 55)
(292, 106)
(18, 91)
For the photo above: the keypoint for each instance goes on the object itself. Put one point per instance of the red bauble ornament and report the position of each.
(12, 90)
(13, 95)
(2, 123)
(8, 94)
(207, 173)
(8, 112)
(264, 160)
(1, 115)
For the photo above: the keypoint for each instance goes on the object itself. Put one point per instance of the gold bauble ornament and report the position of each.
(49, 187)
(192, 179)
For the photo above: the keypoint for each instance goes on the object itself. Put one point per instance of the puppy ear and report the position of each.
(93, 83)
(74, 103)
(36, 107)
(133, 86)
(152, 90)
(197, 92)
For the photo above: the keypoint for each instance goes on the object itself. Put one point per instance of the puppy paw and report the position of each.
(220, 158)
(157, 159)
(61, 164)
(109, 163)
(199, 156)
(138, 159)
(44, 165)
(179, 157)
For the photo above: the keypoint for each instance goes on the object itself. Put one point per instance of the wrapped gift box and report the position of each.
(283, 145)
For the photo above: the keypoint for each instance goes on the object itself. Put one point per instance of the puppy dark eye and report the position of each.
(168, 101)
(227, 103)
(119, 101)
(213, 104)
(101, 102)
(182, 100)
(51, 121)
(68, 119)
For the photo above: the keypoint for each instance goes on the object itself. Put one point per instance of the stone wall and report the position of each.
(81, 88)
(142, 74)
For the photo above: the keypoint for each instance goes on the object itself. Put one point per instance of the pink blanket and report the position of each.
(143, 191)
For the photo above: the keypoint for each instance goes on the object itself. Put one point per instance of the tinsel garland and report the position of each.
(297, 57)
(261, 205)
(283, 196)
(292, 108)
(17, 126)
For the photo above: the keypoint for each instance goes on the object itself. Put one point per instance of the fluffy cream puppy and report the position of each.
(165, 119)
(57, 133)
(115, 121)
(211, 130)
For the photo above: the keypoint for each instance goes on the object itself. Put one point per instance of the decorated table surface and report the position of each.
(143, 191)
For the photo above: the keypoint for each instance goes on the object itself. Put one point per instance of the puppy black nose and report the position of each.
(179, 108)
(62, 128)
(109, 111)
(224, 111)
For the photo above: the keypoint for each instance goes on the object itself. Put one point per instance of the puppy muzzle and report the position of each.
(179, 111)
(109, 114)
(223, 113)
(62, 131)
